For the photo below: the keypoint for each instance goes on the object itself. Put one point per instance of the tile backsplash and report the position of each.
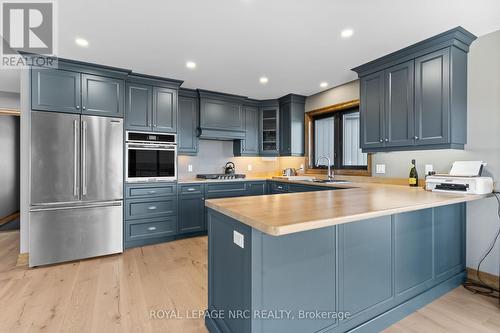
(213, 155)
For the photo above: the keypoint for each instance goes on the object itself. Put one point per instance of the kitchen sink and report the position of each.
(334, 181)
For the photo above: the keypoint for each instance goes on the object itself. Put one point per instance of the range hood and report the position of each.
(221, 116)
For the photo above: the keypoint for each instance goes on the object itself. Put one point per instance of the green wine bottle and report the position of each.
(413, 178)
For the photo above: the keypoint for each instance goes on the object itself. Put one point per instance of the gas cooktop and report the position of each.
(220, 176)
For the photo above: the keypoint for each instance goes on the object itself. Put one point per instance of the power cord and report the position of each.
(481, 287)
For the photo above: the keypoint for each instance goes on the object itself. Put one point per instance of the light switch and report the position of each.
(380, 168)
(238, 239)
(190, 168)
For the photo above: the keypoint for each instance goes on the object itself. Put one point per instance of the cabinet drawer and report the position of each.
(278, 187)
(137, 208)
(224, 190)
(191, 189)
(150, 228)
(149, 190)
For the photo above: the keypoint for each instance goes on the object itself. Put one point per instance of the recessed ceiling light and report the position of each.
(323, 84)
(346, 33)
(82, 42)
(263, 80)
(191, 64)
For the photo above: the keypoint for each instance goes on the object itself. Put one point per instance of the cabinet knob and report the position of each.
(381, 140)
(416, 137)
(84, 108)
(386, 140)
(78, 107)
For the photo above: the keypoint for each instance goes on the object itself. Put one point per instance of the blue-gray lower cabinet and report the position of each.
(191, 208)
(363, 275)
(151, 213)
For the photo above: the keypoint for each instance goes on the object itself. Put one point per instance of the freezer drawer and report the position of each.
(67, 233)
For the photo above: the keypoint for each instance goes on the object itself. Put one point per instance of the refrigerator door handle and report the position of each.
(75, 158)
(84, 158)
(69, 207)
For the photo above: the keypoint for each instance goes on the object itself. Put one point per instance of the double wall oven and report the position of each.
(150, 157)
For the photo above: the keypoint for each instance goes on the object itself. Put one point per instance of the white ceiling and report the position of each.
(295, 43)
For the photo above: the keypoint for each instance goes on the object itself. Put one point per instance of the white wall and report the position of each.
(483, 143)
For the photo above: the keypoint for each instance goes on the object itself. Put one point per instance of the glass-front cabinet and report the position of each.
(270, 127)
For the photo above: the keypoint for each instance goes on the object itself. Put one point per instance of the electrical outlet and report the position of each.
(428, 168)
(302, 166)
(249, 167)
(238, 239)
(190, 168)
(380, 168)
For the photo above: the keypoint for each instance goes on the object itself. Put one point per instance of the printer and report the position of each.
(464, 177)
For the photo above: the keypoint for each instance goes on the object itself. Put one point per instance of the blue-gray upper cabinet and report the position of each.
(291, 125)
(102, 96)
(371, 111)
(55, 90)
(187, 138)
(416, 98)
(250, 145)
(164, 109)
(151, 103)
(221, 116)
(269, 126)
(139, 107)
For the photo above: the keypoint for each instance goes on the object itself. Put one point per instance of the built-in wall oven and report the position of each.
(150, 157)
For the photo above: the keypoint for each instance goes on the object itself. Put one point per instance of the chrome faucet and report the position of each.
(331, 175)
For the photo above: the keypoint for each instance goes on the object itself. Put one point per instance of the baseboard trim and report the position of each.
(22, 260)
(490, 279)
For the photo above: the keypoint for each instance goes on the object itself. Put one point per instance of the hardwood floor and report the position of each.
(117, 294)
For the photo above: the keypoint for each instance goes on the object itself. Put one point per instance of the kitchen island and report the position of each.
(349, 259)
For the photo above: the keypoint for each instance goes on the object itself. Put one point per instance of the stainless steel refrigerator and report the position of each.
(76, 187)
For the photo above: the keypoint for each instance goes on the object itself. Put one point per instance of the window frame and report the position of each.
(337, 111)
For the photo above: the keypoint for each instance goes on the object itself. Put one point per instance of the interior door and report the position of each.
(102, 158)
(55, 157)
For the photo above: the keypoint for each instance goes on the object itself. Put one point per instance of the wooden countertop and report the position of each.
(295, 212)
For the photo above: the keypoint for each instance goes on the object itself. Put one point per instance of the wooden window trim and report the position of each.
(309, 118)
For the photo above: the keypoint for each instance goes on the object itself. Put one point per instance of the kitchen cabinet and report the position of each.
(291, 125)
(269, 125)
(250, 145)
(187, 138)
(55, 90)
(416, 98)
(256, 188)
(102, 96)
(151, 104)
(221, 116)
(191, 208)
(74, 92)
(139, 107)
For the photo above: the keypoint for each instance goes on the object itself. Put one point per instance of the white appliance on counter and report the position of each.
(464, 177)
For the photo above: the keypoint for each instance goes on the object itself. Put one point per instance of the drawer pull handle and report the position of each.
(191, 189)
(152, 192)
(152, 228)
(152, 207)
(280, 187)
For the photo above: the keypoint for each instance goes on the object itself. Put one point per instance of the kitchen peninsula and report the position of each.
(358, 257)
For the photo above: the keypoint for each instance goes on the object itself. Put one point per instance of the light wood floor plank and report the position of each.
(117, 294)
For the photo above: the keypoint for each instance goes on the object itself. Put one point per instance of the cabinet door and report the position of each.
(285, 129)
(399, 115)
(55, 90)
(191, 213)
(139, 107)
(102, 96)
(372, 111)
(164, 110)
(269, 140)
(432, 92)
(188, 125)
(251, 142)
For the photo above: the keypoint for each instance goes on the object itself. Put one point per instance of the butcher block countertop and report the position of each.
(288, 213)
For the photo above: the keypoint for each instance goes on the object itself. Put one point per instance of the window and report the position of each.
(334, 133)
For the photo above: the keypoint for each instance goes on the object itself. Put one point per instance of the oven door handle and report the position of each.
(151, 147)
